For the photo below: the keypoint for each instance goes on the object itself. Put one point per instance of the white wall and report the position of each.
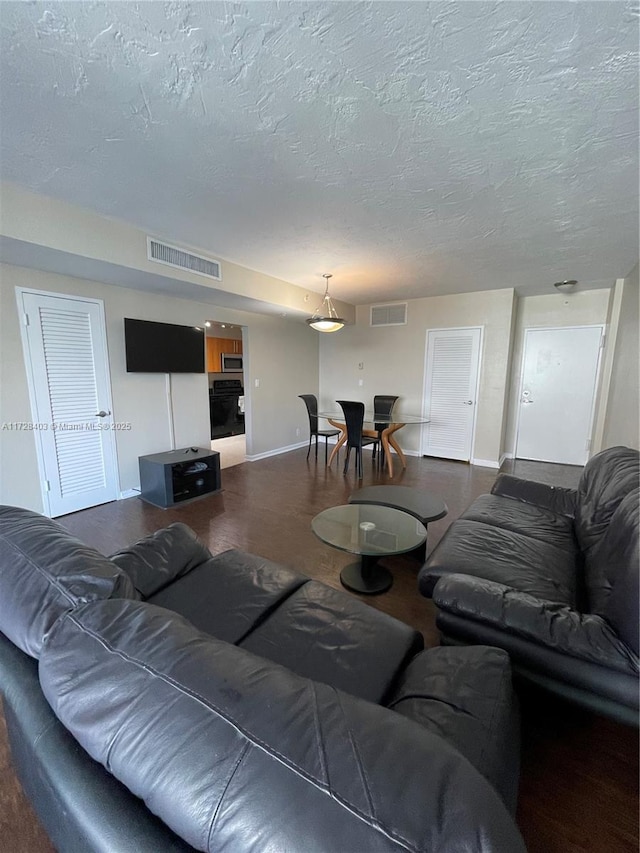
(583, 308)
(621, 425)
(282, 355)
(393, 361)
(87, 240)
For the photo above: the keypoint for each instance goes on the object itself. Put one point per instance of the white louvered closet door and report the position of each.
(70, 391)
(451, 379)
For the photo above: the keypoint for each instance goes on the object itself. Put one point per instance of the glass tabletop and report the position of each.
(369, 530)
(373, 417)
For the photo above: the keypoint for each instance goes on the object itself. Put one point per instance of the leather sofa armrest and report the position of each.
(464, 694)
(553, 625)
(157, 560)
(555, 498)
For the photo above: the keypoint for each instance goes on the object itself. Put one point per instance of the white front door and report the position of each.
(557, 394)
(450, 393)
(66, 357)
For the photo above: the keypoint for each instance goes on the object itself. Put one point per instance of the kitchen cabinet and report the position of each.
(214, 351)
(215, 348)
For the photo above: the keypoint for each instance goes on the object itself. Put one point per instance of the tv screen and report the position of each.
(163, 347)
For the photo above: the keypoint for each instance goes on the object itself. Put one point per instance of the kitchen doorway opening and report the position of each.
(225, 368)
(232, 450)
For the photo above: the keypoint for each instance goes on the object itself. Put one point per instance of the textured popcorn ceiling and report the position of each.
(410, 149)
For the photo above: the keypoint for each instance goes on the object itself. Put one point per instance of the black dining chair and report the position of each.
(354, 419)
(311, 403)
(382, 405)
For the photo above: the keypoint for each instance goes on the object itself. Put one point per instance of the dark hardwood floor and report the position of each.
(579, 780)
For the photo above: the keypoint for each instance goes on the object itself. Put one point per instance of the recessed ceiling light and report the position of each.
(566, 286)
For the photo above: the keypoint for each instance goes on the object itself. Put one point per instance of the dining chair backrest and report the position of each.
(383, 405)
(311, 402)
(354, 419)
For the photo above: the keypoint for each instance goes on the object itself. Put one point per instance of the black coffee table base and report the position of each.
(366, 577)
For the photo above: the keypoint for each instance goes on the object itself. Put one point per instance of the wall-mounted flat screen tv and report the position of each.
(163, 347)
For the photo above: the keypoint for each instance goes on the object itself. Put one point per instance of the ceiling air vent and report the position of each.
(172, 256)
(394, 314)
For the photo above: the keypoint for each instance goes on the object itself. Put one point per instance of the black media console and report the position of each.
(168, 479)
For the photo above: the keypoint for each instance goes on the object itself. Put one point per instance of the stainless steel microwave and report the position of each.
(231, 362)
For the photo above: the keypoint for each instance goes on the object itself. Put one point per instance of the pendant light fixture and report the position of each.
(325, 317)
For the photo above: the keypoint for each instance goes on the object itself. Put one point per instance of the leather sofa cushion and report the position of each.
(526, 519)
(236, 753)
(553, 665)
(505, 556)
(607, 479)
(584, 636)
(161, 558)
(465, 696)
(227, 595)
(316, 631)
(327, 635)
(46, 571)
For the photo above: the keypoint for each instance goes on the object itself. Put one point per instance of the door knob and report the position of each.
(102, 414)
(467, 402)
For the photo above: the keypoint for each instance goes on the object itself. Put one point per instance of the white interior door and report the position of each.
(557, 394)
(451, 388)
(66, 356)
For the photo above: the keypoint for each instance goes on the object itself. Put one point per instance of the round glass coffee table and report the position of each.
(372, 532)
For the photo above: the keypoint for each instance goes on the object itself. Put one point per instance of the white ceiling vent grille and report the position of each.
(172, 256)
(389, 315)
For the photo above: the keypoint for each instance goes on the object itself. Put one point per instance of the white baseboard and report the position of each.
(369, 447)
(128, 493)
(485, 463)
(278, 450)
(506, 456)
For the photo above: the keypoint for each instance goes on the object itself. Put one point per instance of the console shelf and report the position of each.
(172, 478)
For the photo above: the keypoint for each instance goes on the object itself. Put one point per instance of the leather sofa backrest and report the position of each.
(236, 753)
(606, 480)
(617, 561)
(45, 571)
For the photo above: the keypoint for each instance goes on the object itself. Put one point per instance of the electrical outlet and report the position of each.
(298, 431)
(361, 382)
(256, 382)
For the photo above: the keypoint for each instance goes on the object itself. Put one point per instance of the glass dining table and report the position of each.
(394, 422)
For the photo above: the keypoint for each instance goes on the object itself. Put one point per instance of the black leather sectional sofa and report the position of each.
(551, 576)
(168, 700)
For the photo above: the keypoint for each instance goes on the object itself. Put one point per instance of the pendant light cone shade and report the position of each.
(325, 317)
